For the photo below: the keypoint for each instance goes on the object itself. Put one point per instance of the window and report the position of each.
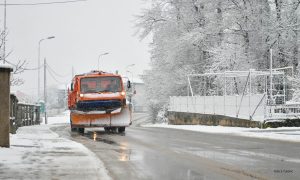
(100, 84)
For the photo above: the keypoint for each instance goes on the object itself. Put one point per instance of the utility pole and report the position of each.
(39, 64)
(45, 90)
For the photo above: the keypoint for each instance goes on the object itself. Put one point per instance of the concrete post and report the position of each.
(4, 105)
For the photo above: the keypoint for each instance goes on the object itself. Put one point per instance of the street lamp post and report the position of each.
(132, 91)
(131, 75)
(103, 54)
(130, 65)
(39, 63)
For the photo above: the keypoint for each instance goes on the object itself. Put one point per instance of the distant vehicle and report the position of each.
(98, 99)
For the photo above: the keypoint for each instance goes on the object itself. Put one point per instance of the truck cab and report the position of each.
(98, 99)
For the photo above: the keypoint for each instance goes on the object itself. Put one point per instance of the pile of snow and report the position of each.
(283, 133)
(36, 152)
(6, 66)
(63, 118)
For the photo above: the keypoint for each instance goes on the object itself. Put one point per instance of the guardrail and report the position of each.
(283, 112)
(22, 114)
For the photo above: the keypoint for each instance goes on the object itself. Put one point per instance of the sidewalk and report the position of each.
(283, 133)
(38, 153)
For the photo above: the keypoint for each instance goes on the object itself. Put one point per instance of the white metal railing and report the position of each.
(282, 112)
(252, 107)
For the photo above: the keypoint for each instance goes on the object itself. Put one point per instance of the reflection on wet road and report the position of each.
(123, 150)
(156, 153)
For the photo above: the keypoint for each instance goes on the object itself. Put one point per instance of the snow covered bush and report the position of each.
(162, 115)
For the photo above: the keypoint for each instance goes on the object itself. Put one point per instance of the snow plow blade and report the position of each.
(121, 117)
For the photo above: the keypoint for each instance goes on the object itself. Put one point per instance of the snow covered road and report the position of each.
(150, 152)
(165, 153)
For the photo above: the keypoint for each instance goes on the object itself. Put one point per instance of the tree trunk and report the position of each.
(280, 44)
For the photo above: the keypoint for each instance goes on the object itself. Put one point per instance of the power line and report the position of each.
(59, 82)
(20, 66)
(41, 3)
(62, 76)
(33, 69)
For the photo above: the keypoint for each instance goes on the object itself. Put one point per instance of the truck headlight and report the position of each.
(123, 93)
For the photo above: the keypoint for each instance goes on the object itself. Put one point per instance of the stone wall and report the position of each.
(184, 118)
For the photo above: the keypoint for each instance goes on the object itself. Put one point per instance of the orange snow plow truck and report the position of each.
(98, 99)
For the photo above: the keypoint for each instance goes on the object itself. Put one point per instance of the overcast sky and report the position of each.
(82, 31)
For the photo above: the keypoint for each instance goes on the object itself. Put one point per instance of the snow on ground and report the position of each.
(61, 118)
(36, 152)
(283, 133)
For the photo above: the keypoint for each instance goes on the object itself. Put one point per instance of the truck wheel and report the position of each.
(121, 129)
(73, 129)
(106, 129)
(81, 130)
(113, 129)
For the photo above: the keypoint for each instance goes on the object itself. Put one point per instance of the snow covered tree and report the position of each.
(18, 68)
(196, 36)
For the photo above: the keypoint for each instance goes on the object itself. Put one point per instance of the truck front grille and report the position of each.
(103, 105)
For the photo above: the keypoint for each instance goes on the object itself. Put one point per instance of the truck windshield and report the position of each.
(100, 84)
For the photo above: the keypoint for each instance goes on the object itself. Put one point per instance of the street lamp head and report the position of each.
(100, 56)
(130, 65)
(104, 54)
(50, 37)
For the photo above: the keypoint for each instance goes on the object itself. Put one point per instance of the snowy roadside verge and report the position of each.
(284, 133)
(38, 153)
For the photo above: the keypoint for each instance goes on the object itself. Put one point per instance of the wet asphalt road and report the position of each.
(158, 153)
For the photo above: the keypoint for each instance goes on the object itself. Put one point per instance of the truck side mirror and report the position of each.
(72, 87)
(128, 84)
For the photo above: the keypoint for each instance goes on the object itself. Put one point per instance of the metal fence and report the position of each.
(253, 95)
(282, 112)
(252, 107)
(247, 107)
(22, 114)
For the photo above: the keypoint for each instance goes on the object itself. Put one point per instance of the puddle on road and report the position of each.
(124, 152)
(97, 137)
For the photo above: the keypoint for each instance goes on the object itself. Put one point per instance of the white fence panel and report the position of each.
(221, 105)
(209, 107)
